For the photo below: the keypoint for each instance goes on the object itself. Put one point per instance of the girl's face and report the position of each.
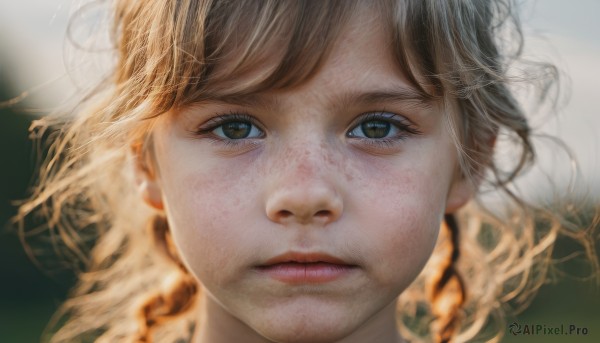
(305, 212)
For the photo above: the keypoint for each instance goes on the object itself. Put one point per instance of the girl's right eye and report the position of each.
(237, 130)
(232, 127)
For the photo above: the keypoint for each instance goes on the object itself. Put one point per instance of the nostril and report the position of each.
(323, 213)
(298, 206)
(285, 214)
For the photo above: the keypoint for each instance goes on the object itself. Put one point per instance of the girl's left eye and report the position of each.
(374, 129)
(382, 126)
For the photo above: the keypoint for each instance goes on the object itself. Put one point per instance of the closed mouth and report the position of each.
(305, 258)
(303, 268)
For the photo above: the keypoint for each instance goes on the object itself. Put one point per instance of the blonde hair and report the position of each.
(168, 54)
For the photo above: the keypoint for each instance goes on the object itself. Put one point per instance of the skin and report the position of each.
(306, 185)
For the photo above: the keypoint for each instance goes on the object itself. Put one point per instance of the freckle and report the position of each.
(349, 176)
(329, 159)
(303, 171)
(307, 153)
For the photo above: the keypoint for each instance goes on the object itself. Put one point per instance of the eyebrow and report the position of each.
(248, 100)
(400, 95)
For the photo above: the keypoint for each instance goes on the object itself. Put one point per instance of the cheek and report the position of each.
(413, 189)
(400, 209)
(207, 208)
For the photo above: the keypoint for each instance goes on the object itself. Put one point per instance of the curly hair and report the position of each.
(167, 55)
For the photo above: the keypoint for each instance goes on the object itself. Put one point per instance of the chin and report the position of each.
(306, 327)
(305, 334)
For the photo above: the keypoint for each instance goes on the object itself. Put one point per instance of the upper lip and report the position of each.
(300, 257)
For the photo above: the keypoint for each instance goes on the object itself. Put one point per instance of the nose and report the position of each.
(314, 204)
(304, 193)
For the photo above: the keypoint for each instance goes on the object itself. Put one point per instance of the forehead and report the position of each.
(360, 69)
(361, 56)
(358, 53)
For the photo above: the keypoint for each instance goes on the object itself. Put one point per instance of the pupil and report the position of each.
(376, 129)
(236, 130)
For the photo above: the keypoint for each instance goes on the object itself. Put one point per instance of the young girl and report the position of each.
(297, 171)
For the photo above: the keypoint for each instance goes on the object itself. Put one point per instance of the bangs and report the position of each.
(176, 53)
(255, 46)
(275, 44)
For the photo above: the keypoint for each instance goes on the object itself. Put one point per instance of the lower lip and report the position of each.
(297, 273)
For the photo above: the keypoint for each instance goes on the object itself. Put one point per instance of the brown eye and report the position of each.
(375, 128)
(237, 130)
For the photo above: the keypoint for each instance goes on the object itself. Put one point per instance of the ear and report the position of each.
(460, 193)
(462, 189)
(146, 177)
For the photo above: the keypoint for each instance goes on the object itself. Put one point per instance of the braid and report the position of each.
(177, 299)
(447, 291)
(161, 237)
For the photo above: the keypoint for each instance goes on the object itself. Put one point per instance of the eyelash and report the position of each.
(222, 119)
(405, 128)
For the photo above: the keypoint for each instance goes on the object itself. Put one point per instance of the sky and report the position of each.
(32, 36)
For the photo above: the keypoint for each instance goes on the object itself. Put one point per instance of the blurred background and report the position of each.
(32, 58)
